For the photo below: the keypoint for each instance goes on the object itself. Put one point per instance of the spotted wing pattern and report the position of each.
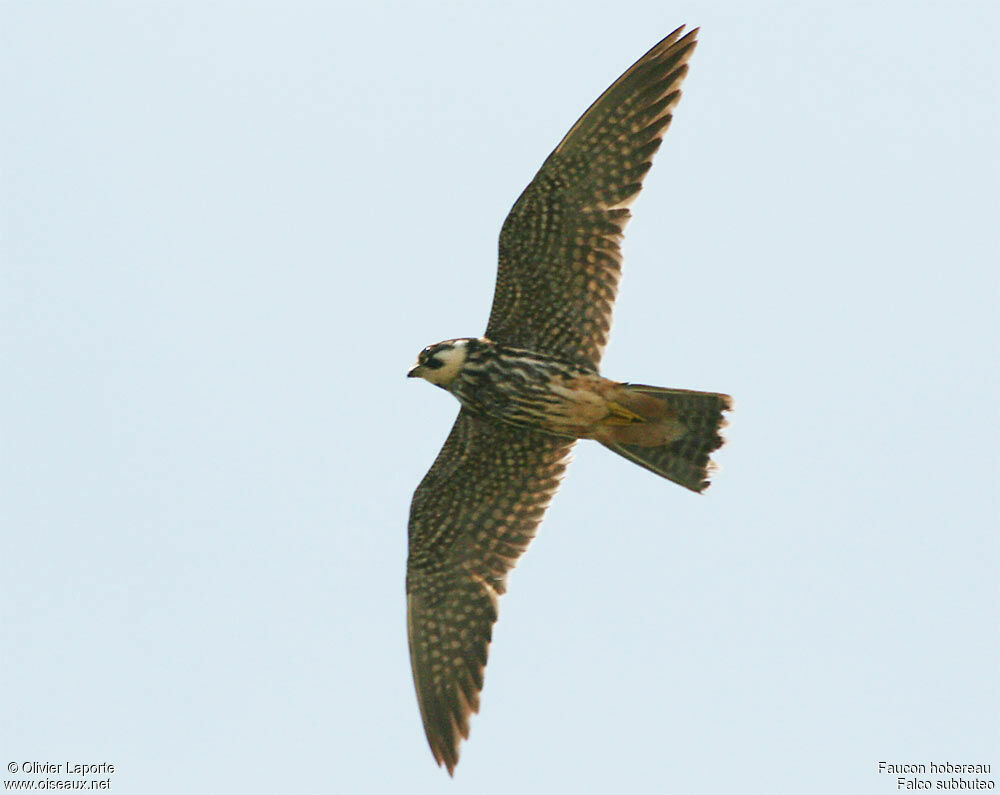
(560, 259)
(472, 516)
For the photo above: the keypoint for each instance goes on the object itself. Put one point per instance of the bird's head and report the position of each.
(441, 363)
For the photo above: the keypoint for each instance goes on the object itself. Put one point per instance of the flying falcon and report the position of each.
(530, 388)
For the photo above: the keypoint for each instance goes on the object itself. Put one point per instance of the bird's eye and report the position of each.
(433, 364)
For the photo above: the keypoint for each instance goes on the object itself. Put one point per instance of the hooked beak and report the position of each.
(414, 371)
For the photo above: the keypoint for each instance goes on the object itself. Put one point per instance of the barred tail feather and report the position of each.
(678, 431)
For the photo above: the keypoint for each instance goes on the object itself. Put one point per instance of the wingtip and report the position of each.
(690, 39)
(445, 757)
(444, 748)
(678, 37)
(674, 46)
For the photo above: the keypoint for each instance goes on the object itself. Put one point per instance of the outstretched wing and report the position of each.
(472, 516)
(559, 248)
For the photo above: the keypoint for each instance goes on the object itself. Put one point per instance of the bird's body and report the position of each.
(528, 389)
(531, 386)
(520, 387)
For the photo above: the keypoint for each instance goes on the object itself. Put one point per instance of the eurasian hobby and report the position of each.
(530, 388)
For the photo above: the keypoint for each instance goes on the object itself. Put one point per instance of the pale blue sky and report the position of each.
(228, 228)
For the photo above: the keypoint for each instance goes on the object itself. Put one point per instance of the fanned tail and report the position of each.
(671, 432)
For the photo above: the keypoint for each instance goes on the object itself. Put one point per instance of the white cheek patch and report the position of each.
(453, 359)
